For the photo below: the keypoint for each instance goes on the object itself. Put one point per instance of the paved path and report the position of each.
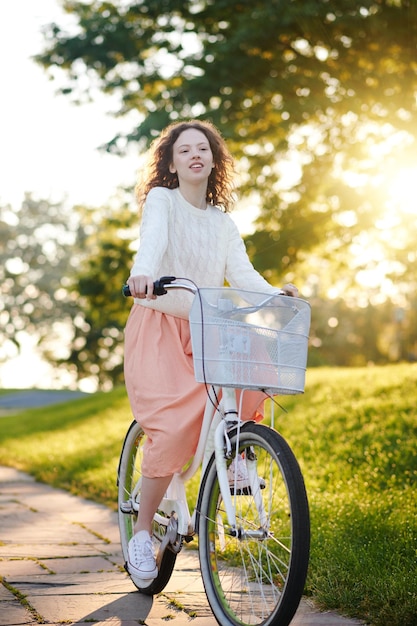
(60, 562)
(31, 398)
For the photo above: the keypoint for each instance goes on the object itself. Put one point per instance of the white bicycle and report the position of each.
(251, 514)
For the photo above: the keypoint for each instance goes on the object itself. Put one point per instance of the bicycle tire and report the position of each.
(251, 581)
(129, 473)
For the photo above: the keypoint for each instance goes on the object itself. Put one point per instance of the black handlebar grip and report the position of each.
(158, 286)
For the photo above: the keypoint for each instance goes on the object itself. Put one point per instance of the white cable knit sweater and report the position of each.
(177, 239)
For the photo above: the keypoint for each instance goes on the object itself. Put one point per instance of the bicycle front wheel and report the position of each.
(255, 574)
(128, 484)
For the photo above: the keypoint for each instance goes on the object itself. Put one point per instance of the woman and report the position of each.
(185, 232)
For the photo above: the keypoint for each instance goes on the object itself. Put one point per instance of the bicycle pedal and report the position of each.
(127, 508)
(170, 541)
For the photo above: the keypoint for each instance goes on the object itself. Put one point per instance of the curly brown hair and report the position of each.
(157, 174)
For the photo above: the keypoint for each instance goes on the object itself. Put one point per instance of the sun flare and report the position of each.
(402, 190)
(379, 253)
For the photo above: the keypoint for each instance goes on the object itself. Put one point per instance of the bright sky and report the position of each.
(48, 145)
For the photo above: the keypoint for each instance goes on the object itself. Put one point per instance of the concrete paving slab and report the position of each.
(14, 614)
(62, 555)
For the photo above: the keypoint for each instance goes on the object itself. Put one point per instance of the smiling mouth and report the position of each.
(196, 166)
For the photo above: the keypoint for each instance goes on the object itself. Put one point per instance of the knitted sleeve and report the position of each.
(240, 272)
(153, 234)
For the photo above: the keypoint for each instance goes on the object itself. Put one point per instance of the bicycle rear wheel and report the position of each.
(128, 484)
(258, 576)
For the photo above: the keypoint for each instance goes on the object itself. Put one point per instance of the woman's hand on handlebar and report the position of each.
(290, 290)
(141, 287)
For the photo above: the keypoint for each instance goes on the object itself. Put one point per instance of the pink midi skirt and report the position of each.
(164, 396)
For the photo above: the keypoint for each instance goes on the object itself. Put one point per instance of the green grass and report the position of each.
(4, 392)
(354, 432)
(74, 446)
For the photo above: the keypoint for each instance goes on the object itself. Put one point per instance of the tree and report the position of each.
(327, 87)
(257, 68)
(96, 348)
(332, 81)
(38, 254)
(61, 276)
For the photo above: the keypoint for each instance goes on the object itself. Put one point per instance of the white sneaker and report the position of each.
(237, 474)
(141, 559)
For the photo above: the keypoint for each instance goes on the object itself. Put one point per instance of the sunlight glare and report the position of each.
(402, 190)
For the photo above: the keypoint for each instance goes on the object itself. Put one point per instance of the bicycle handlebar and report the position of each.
(161, 286)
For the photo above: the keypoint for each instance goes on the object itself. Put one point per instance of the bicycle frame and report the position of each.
(213, 438)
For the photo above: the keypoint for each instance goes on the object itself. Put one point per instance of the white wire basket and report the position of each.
(250, 340)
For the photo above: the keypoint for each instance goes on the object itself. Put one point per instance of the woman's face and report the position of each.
(192, 158)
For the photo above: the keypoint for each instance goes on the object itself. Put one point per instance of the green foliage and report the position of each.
(354, 434)
(341, 335)
(253, 67)
(97, 346)
(328, 86)
(38, 253)
(61, 275)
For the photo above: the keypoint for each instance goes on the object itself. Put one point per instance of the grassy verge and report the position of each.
(74, 445)
(354, 433)
(4, 392)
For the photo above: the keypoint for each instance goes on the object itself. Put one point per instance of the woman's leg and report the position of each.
(141, 556)
(152, 492)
